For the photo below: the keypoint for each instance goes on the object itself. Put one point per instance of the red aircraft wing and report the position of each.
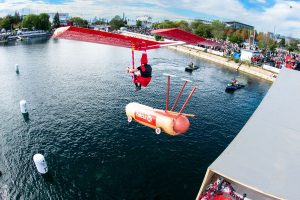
(102, 37)
(177, 34)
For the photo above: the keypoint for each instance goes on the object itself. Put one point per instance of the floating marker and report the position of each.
(40, 163)
(17, 68)
(23, 107)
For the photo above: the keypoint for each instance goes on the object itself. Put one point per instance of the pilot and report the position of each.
(145, 73)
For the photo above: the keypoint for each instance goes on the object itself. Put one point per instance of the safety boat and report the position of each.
(190, 68)
(233, 87)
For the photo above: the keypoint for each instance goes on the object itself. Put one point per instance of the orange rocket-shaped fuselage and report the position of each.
(169, 122)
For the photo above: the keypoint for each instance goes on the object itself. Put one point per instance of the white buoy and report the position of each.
(23, 107)
(40, 163)
(17, 68)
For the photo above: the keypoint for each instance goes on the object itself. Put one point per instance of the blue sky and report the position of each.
(263, 14)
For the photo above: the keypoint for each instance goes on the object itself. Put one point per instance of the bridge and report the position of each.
(262, 161)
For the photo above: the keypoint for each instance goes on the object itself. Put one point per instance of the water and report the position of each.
(77, 93)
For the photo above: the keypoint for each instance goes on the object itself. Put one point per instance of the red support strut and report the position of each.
(168, 93)
(132, 55)
(187, 100)
(179, 95)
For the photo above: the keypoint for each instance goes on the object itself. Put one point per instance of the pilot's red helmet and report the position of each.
(144, 59)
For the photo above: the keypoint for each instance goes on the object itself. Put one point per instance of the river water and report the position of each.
(77, 93)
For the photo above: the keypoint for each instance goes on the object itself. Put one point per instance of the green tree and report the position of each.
(100, 21)
(56, 21)
(167, 24)
(194, 25)
(282, 42)
(262, 44)
(30, 21)
(158, 37)
(293, 46)
(217, 30)
(17, 18)
(235, 38)
(272, 45)
(139, 23)
(43, 22)
(78, 21)
(7, 22)
(204, 30)
(184, 25)
(116, 23)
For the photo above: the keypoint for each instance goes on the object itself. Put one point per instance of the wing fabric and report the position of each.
(177, 34)
(102, 37)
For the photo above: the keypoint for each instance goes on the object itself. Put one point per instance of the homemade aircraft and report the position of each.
(173, 123)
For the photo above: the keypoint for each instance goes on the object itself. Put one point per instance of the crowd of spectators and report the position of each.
(261, 56)
(278, 58)
(141, 30)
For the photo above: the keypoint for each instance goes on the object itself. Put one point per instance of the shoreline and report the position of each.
(195, 51)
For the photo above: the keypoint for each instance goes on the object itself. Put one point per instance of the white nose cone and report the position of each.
(17, 67)
(23, 106)
(40, 163)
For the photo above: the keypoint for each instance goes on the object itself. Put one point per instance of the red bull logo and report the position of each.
(146, 118)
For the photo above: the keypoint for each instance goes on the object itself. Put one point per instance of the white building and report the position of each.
(146, 21)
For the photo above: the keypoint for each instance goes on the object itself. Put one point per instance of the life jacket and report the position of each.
(146, 70)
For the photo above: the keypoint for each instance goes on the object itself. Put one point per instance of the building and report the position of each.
(102, 27)
(204, 21)
(63, 18)
(238, 25)
(271, 35)
(146, 21)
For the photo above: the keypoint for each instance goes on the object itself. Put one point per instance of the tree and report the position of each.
(40, 22)
(56, 22)
(184, 25)
(272, 45)
(7, 22)
(78, 21)
(116, 23)
(203, 30)
(139, 23)
(17, 18)
(158, 37)
(293, 46)
(217, 30)
(282, 42)
(43, 22)
(229, 31)
(195, 24)
(100, 21)
(167, 24)
(259, 36)
(262, 44)
(245, 34)
(30, 21)
(235, 38)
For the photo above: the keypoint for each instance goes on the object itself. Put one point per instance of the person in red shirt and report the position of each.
(145, 73)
